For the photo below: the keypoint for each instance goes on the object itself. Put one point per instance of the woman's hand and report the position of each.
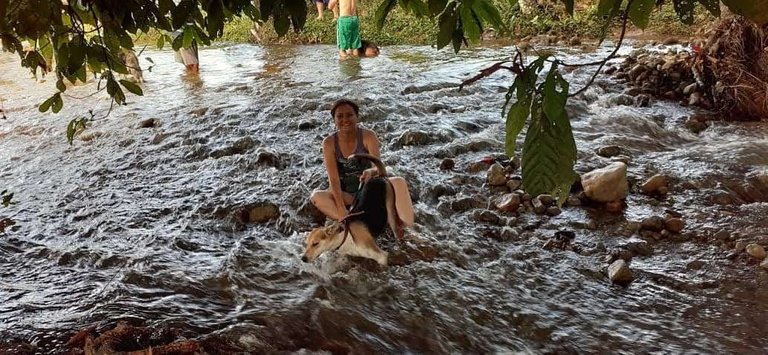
(368, 174)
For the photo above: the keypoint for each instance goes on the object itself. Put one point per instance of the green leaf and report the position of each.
(458, 38)
(446, 26)
(435, 6)
(60, 85)
(214, 22)
(553, 99)
(124, 38)
(684, 10)
(713, 6)
(605, 7)
(516, 118)
(160, 42)
(383, 11)
(72, 128)
(132, 87)
(182, 12)
(640, 12)
(46, 105)
(114, 90)
(188, 37)
(485, 10)
(469, 23)
(57, 103)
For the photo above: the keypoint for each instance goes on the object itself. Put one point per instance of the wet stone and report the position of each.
(674, 225)
(654, 183)
(740, 246)
(307, 124)
(496, 176)
(572, 201)
(259, 212)
(619, 272)
(514, 183)
(447, 164)
(476, 167)
(764, 264)
(553, 211)
(756, 251)
(722, 235)
(609, 151)
(653, 223)
(149, 123)
(463, 204)
(486, 216)
(546, 199)
(414, 138)
(509, 202)
(538, 207)
(638, 247)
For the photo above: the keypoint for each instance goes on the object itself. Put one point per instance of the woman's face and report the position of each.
(345, 118)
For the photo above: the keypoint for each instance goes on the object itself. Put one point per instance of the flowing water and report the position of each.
(140, 224)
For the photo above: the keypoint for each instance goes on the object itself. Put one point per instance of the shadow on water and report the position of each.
(150, 222)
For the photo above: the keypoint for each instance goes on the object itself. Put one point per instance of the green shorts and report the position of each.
(348, 32)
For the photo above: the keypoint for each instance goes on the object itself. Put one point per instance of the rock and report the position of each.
(509, 234)
(496, 175)
(574, 41)
(538, 207)
(447, 164)
(740, 246)
(756, 251)
(476, 167)
(414, 138)
(547, 199)
(619, 272)
(653, 184)
(514, 184)
(606, 184)
(690, 89)
(609, 151)
(158, 138)
(149, 123)
(638, 247)
(486, 216)
(642, 100)
(199, 111)
(653, 223)
(694, 99)
(674, 225)
(635, 72)
(572, 201)
(509, 202)
(695, 265)
(614, 206)
(696, 126)
(553, 211)
(671, 41)
(722, 235)
(307, 124)
(260, 212)
(269, 158)
(462, 204)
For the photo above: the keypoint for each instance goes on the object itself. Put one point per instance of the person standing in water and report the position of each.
(347, 27)
(188, 56)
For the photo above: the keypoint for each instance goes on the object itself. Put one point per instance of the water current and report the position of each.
(141, 224)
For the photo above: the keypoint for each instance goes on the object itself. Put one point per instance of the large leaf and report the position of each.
(469, 22)
(516, 118)
(640, 12)
(183, 12)
(132, 87)
(555, 93)
(488, 12)
(114, 90)
(383, 11)
(446, 26)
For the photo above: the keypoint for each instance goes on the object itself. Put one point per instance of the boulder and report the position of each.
(654, 183)
(756, 251)
(619, 272)
(606, 184)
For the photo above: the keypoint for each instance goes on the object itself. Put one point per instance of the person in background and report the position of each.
(347, 28)
(368, 49)
(322, 5)
(188, 56)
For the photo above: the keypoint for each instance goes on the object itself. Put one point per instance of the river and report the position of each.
(138, 224)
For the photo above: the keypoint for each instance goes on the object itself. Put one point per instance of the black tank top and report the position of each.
(350, 171)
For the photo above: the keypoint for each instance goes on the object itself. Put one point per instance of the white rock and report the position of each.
(606, 184)
(620, 272)
(756, 251)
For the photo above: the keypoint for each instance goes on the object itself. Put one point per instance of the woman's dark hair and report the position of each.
(345, 102)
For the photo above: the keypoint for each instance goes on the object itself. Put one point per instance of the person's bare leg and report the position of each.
(356, 52)
(323, 200)
(320, 8)
(342, 54)
(335, 10)
(403, 202)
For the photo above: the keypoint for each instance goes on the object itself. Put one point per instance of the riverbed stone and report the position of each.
(674, 224)
(614, 206)
(509, 202)
(447, 164)
(609, 151)
(638, 246)
(606, 184)
(308, 124)
(756, 251)
(619, 272)
(572, 201)
(653, 223)
(514, 183)
(538, 207)
(553, 211)
(764, 264)
(259, 212)
(486, 216)
(722, 235)
(496, 176)
(149, 123)
(654, 183)
(465, 203)
(414, 138)
(547, 199)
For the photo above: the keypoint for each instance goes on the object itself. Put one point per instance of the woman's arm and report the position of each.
(371, 142)
(334, 181)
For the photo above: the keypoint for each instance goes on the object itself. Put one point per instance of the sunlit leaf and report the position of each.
(46, 105)
(132, 87)
(57, 104)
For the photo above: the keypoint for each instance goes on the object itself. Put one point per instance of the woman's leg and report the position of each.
(323, 200)
(403, 202)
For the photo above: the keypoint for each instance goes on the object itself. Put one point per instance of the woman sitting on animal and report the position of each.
(345, 176)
